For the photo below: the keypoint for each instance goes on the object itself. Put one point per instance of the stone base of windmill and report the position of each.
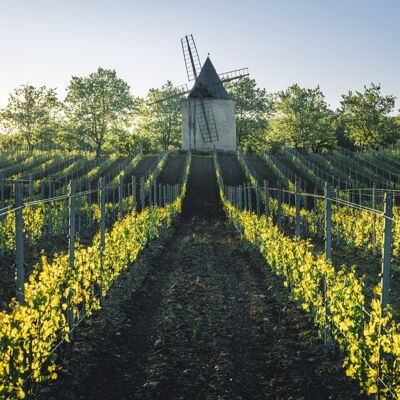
(224, 116)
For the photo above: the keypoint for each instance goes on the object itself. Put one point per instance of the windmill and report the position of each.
(207, 109)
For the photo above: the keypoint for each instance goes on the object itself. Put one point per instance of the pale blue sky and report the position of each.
(338, 44)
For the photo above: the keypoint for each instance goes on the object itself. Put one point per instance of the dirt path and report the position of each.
(201, 317)
(202, 196)
(173, 170)
(231, 170)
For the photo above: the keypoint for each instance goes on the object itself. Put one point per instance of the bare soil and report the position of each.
(231, 170)
(200, 316)
(202, 197)
(173, 170)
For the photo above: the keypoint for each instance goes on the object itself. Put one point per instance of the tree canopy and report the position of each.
(302, 119)
(254, 107)
(100, 112)
(97, 105)
(31, 112)
(366, 117)
(161, 121)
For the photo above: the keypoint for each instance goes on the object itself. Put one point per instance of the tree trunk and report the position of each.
(98, 150)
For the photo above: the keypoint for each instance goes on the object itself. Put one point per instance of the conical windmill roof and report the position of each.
(208, 84)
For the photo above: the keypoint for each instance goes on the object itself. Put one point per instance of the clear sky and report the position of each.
(339, 44)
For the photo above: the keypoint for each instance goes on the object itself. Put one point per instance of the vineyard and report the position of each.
(223, 275)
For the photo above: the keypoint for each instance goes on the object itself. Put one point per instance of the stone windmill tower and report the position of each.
(208, 113)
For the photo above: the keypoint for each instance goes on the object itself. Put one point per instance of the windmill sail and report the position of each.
(192, 60)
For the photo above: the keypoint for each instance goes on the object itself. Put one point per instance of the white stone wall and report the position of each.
(224, 114)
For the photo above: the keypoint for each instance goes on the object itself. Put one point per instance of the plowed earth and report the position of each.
(199, 316)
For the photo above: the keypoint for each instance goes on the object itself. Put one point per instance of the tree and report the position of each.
(68, 137)
(32, 112)
(161, 122)
(366, 117)
(130, 143)
(254, 106)
(98, 104)
(303, 119)
(342, 138)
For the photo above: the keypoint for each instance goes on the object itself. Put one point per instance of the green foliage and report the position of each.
(29, 332)
(9, 140)
(310, 174)
(305, 273)
(157, 170)
(97, 105)
(127, 170)
(29, 163)
(302, 119)
(128, 143)
(254, 106)
(68, 137)
(366, 117)
(354, 227)
(161, 121)
(32, 112)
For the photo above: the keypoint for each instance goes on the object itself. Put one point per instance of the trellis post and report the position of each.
(385, 274)
(19, 243)
(279, 209)
(328, 251)
(121, 197)
(328, 221)
(374, 218)
(387, 251)
(249, 197)
(113, 202)
(31, 195)
(49, 211)
(65, 213)
(245, 196)
(150, 193)
(297, 205)
(89, 201)
(2, 181)
(71, 248)
(155, 197)
(142, 200)
(134, 192)
(102, 230)
(266, 192)
(78, 206)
